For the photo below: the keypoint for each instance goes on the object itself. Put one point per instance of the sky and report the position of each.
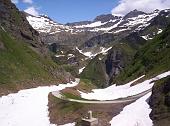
(64, 11)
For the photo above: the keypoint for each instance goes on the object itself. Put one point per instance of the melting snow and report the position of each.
(59, 56)
(159, 31)
(69, 124)
(43, 24)
(81, 70)
(91, 55)
(135, 114)
(70, 56)
(28, 107)
(115, 92)
(94, 24)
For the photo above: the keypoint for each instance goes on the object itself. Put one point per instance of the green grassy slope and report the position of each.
(152, 59)
(20, 63)
(95, 71)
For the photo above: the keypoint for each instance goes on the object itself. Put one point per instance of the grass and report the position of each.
(86, 85)
(71, 69)
(96, 70)
(20, 63)
(66, 106)
(17, 16)
(72, 96)
(152, 59)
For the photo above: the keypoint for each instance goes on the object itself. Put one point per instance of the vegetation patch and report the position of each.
(20, 65)
(152, 59)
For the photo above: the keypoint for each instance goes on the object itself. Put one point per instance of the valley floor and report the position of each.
(30, 107)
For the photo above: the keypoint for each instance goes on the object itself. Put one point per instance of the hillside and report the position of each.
(153, 58)
(89, 37)
(103, 68)
(24, 60)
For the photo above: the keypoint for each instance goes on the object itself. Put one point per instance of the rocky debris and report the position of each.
(160, 103)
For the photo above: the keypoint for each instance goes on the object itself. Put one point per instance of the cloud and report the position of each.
(32, 10)
(27, 1)
(125, 6)
(24, 1)
(14, 1)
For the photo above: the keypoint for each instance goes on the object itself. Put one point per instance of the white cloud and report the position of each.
(24, 1)
(27, 1)
(14, 1)
(32, 10)
(126, 6)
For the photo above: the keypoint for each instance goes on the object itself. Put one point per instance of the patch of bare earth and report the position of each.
(6, 89)
(62, 112)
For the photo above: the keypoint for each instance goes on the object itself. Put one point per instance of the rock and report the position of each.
(160, 103)
(134, 13)
(15, 22)
(106, 17)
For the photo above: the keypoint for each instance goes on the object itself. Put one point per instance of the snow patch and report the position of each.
(91, 55)
(28, 107)
(69, 124)
(81, 70)
(94, 24)
(135, 114)
(116, 92)
(159, 31)
(59, 56)
(3, 28)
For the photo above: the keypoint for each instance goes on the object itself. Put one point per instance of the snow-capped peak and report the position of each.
(133, 21)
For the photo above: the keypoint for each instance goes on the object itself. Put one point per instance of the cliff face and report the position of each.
(15, 22)
(160, 103)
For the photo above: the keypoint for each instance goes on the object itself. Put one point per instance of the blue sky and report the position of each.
(65, 11)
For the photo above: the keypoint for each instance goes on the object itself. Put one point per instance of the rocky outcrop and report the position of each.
(133, 13)
(15, 22)
(106, 18)
(114, 63)
(79, 23)
(100, 40)
(160, 103)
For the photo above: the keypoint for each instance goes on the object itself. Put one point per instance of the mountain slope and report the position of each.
(78, 33)
(103, 68)
(24, 60)
(153, 58)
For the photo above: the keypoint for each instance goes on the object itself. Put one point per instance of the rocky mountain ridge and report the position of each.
(103, 23)
(84, 33)
(125, 34)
